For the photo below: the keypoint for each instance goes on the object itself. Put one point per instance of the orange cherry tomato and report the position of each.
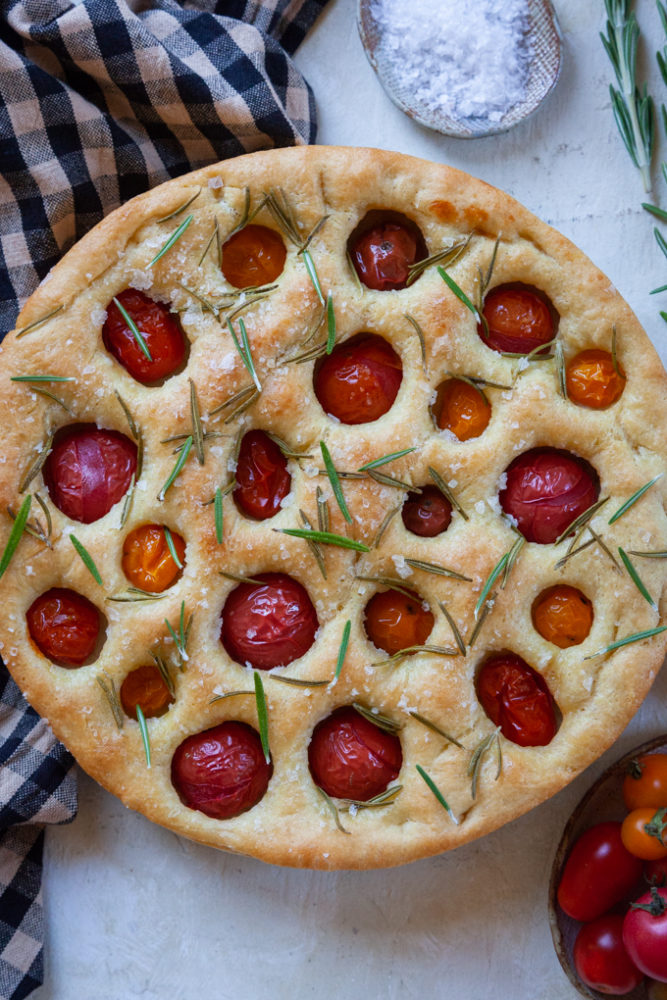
(646, 782)
(395, 621)
(160, 329)
(518, 320)
(147, 562)
(145, 687)
(358, 382)
(644, 833)
(253, 256)
(592, 380)
(65, 626)
(463, 409)
(562, 615)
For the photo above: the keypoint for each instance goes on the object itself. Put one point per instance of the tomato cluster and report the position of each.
(614, 950)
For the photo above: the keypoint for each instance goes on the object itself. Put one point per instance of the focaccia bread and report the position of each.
(281, 321)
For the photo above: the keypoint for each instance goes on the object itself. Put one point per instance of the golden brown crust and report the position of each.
(292, 825)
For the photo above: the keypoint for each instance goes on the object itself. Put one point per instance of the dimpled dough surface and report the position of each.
(292, 824)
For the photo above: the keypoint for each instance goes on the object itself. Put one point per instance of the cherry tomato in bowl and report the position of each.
(599, 872)
(601, 958)
(644, 833)
(351, 758)
(645, 933)
(160, 330)
(645, 784)
(359, 381)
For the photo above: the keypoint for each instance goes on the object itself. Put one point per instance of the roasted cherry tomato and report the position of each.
(428, 513)
(592, 380)
(645, 784)
(88, 470)
(382, 255)
(270, 623)
(147, 560)
(601, 958)
(518, 321)
(598, 873)
(146, 688)
(262, 476)
(462, 409)
(395, 621)
(547, 489)
(351, 758)
(222, 771)
(562, 615)
(253, 256)
(65, 626)
(644, 833)
(645, 933)
(359, 380)
(159, 329)
(516, 698)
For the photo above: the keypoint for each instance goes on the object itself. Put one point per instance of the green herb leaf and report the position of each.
(459, 293)
(87, 559)
(455, 630)
(436, 729)
(429, 567)
(180, 209)
(446, 492)
(633, 499)
(42, 378)
(244, 350)
(343, 649)
(38, 322)
(660, 213)
(334, 811)
(335, 482)
(108, 687)
(312, 274)
(168, 537)
(636, 579)
(176, 235)
(381, 721)
(183, 453)
(490, 580)
(141, 719)
(134, 329)
(217, 508)
(15, 534)
(420, 334)
(325, 538)
(436, 791)
(637, 637)
(262, 715)
(377, 462)
(331, 324)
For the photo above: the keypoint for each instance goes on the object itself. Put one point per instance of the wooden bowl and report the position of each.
(603, 801)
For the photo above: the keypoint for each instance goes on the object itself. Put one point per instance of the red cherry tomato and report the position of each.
(646, 782)
(518, 321)
(268, 624)
(644, 833)
(598, 873)
(645, 933)
(88, 471)
(428, 513)
(146, 688)
(546, 490)
(65, 626)
(359, 380)
(160, 330)
(655, 872)
(253, 256)
(395, 621)
(222, 771)
(601, 958)
(262, 476)
(382, 255)
(350, 758)
(516, 698)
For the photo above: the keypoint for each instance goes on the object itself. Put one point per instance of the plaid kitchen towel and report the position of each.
(100, 100)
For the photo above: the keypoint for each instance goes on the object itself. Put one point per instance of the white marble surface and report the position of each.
(133, 910)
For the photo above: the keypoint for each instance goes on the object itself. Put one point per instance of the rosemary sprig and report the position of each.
(654, 554)
(15, 534)
(241, 395)
(537, 354)
(238, 578)
(314, 277)
(38, 322)
(36, 467)
(458, 638)
(492, 577)
(133, 328)
(134, 431)
(215, 235)
(108, 686)
(175, 236)
(436, 729)
(446, 492)
(560, 367)
(244, 350)
(87, 559)
(384, 459)
(460, 294)
(429, 567)
(381, 721)
(335, 482)
(262, 715)
(478, 754)
(299, 681)
(143, 728)
(228, 694)
(342, 651)
(332, 807)
(447, 256)
(161, 664)
(386, 798)
(486, 611)
(633, 109)
(169, 539)
(133, 594)
(637, 637)
(183, 453)
(576, 526)
(574, 552)
(324, 538)
(485, 279)
(47, 515)
(397, 484)
(411, 650)
(420, 334)
(633, 499)
(436, 791)
(181, 208)
(54, 399)
(388, 581)
(35, 530)
(217, 512)
(636, 579)
(42, 378)
(313, 546)
(181, 639)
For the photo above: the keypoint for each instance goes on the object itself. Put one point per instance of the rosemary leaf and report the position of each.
(396, 484)
(298, 682)
(38, 322)
(384, 525)
(313, 546)
(141, 719)
(386, 798)
(241, 394)
(660, 213)
(637, 637)
(388, 581)
(262, 715)
(240, 579)
(325, 538)
(633, 499)
(446, 492)
(181, 208)
(560, 365)
(436, 791)
(429, 567)
(381, 721)
(183, 453)
(215, 235)
(323, 519)
(660, 240)
(490, 580)
(108, 686)
(15, 534)
(47, 515)
(87, 559)
(459, 293)
(164, 672)
(411, 650)
(42, 378)
(169, 539)
(128, 415)
(447, 256)
(176, 235)
(342, 651)
(477, 756)
(486, 611)
(331, 324)
(420, 334)
(244, 350)
(197, 429)
(54, 399)
(436, 729)
(334, 811)
(217, 510)
(655, 554)
(132, 595)
(377, 462)
(133, 328)
(636, 579)
(312, 274)
(574, 552)
(455, 630)
(228, 694)
(335, 482)
(36, 466)
(581, 520)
